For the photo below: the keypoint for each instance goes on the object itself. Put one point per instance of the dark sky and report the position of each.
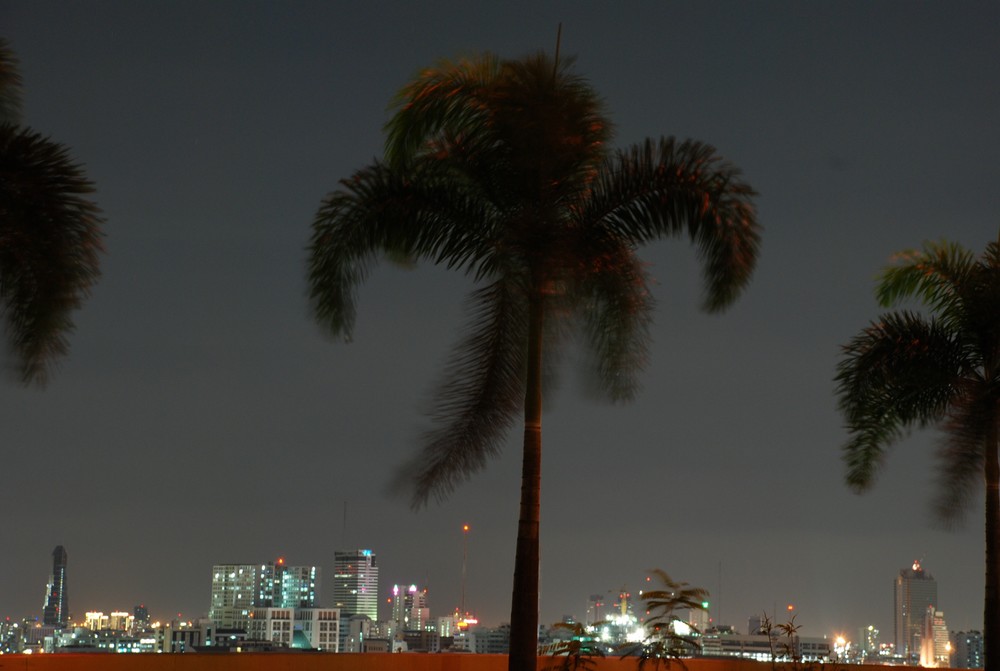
(202, 417)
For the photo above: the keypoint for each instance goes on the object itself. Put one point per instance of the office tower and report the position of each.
(967, 650)
(234, 589)
(409, 608)
(299, 586)
(355, 588)
(283, 586)
(239, 588)
(939, 633)
(56, 609)
(915, 591)
(595, 609)
(868, 641)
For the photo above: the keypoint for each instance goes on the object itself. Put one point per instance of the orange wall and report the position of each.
(351, 662)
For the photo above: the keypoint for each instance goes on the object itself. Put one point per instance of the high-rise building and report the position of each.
(55, 612)
(409, 609)
(239, 588)
(967, 650)
(868, 641)
(283, 586)
(355, 588)
(234, 589)
(915, 592)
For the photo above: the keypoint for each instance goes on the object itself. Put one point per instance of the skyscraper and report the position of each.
(967, 650)
(409, 608)
(355, 587)
(283, 586)
(56, 610)
(915, 592)
(234, 589)
(239, 588)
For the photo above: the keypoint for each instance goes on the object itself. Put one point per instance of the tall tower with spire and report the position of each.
(56, 609)
(915, 592)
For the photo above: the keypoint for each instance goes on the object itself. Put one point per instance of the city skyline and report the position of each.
(201, 415)
(274, 584)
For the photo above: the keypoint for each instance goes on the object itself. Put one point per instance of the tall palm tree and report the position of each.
(501, 169)
(50, 236)
(939, 370)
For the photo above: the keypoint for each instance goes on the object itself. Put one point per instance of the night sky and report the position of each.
(202, 417)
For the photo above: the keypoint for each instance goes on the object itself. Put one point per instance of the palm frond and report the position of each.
(657, 190)
(50, 242)
(899, 371)
(450, 96)
(10, 85)
(423, 214)
(618, 314)
(966, 431)
(935, 276)
(479, 398)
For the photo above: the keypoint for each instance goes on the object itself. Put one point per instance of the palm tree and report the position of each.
(50, 236)
(942, 370)
(500, 169)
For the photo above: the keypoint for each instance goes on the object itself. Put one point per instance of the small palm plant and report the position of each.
(576, 653)
(663, 642)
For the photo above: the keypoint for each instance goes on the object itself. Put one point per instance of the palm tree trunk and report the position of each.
(991, 615)
(524, 601)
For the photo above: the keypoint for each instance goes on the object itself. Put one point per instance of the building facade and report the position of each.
(239, 588)
(55, 612)
(409, 609)
(234, 590)
(283, 586)
(915, 590)
(355, 587)
(967, 650)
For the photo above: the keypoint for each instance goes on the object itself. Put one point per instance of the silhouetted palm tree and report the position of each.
(50, 236)
(940, 370)
(501, 169)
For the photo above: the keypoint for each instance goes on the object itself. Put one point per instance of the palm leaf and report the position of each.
(380, 211)
(479, 398)
(452, 95)
(898, 371)
(960, 456)
(936, 276)
(658, 190)
(50, 242)
(10, 85)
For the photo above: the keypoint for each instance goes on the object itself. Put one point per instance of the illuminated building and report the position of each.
(238, 588)
(869, 641)
(935, 647)
(234, 588)
(140, 616)
(317, 628)
(355, 588)
(595, 609)
(56, 609)
(283, 586)
(409, 609)
(967, 650)
(765, 649)
(915, 591)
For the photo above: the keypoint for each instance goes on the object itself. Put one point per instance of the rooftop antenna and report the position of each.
(465, 554)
